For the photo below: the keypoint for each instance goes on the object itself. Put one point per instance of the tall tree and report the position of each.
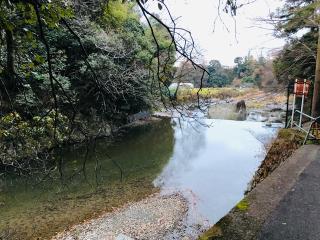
(316, 87)
(295, 16)
(217, 74)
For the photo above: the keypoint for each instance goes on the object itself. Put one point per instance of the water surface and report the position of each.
(211, 166)
(40, 206)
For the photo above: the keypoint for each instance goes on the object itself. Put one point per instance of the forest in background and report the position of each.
(247, 72)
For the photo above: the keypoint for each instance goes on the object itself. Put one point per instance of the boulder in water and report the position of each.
(241, 105)
(241, 109)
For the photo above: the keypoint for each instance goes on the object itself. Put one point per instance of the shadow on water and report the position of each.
(111, 176)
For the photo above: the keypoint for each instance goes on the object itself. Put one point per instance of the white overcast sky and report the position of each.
(198, 16)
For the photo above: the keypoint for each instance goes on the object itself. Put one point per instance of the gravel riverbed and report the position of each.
(155, 217)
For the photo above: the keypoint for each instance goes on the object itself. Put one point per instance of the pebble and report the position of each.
(152, 218)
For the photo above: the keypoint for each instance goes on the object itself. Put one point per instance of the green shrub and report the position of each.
(21, 139)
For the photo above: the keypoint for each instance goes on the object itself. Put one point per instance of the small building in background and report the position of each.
(182, 85)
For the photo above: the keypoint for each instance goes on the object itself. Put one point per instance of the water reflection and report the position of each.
(29, 209)
(212, 166)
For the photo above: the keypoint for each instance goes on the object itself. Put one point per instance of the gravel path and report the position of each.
(151, 218)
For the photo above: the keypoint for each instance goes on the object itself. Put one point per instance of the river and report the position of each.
(212, 166)
(210, 162)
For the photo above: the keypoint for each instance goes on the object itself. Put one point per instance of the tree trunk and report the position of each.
(9, 71)
(316, 88)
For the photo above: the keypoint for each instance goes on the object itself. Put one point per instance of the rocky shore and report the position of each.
(260, 107)
(152, 218)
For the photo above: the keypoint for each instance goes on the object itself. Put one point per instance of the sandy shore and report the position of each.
(152, 218)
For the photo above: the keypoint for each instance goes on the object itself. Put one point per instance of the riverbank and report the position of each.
(152, 218)
(287, 141)
(269, 107)
(27, 146)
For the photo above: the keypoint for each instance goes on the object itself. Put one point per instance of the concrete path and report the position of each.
(298, 214)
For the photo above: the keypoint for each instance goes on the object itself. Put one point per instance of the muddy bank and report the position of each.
(151, 218)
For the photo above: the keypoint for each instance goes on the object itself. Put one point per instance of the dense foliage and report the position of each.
(298, 58)
(298, 22)
(86, 61)
(219, 76)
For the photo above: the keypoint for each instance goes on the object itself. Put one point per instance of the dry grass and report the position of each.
(257, 99)
(185, 95)
(254, 98)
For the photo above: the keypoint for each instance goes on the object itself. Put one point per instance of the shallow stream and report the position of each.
(210, 166)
